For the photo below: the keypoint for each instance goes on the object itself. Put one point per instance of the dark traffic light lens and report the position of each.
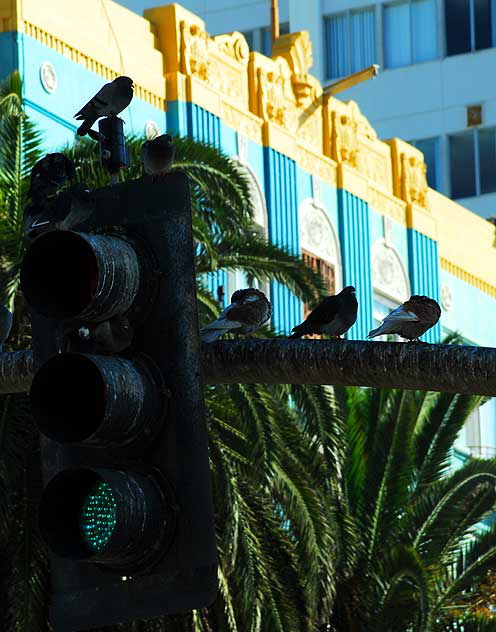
(118, 518)
(76, 275)
(97, 400)
(98, 516)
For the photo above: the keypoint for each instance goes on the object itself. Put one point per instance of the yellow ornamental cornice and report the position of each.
(409, 169)
(199, 68)
(286, 96)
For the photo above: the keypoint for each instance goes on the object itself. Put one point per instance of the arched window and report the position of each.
(319, 244)
(236, 279)
(389, 281)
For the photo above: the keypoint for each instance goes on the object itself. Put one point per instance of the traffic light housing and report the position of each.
(126, 509)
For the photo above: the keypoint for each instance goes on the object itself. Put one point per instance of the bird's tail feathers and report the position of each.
(211, 335)
(378, 332)
(86, 126)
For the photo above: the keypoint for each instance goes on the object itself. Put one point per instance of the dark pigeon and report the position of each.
(157, 155)
(333, 316)
(110, 100)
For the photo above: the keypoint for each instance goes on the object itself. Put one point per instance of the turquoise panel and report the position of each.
(177, 118)
(329, 198)
(376, 226)
(423, 264)
(282, 208)
(303, 184)
(400, 241)
(228, 140)
(9, 57)
(471, 311)
(203, 125)
(214, 280)
(354, 235)
(75, 86)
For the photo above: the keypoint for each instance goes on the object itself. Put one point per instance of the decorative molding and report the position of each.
(317, 234)
(48, 77)
(152, 129)
(389, 275)
(89, 63)
(471, 279)
(257, 197)
(446, 296)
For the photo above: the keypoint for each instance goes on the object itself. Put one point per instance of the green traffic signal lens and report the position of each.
(98, 516)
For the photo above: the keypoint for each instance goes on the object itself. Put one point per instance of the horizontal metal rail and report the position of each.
(449, 368)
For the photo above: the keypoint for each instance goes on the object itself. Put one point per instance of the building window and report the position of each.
(409, 32)
(350, 42)
(470, 25)
(472, 160)
(262, 38)
(325, 270)
(430, 148)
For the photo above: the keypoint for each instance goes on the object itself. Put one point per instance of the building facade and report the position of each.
(437, 57)
(359, 209)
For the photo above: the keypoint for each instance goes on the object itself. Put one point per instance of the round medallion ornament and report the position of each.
(151, 130)
(48, 77)
(388, 273)
(316, 232)
(446, 297)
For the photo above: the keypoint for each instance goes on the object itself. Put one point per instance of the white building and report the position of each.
(436, 87)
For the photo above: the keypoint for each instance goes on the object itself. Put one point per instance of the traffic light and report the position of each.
(126, 509)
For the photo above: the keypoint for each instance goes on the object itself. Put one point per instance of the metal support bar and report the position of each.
(449, 368)
(16, 371)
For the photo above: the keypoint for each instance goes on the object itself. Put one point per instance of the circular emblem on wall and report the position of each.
(388, 272)
(48, 77)
(316, 233)
(151, 130)
(446, 297)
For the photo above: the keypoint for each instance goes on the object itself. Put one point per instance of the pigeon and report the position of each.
(157, 155)
(411, 319)
(110, 100)
(5, 324)
(49, 175)
(334, 315)
(72, 207)
(248, 311)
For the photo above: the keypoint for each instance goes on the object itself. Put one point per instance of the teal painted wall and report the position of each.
(354, 235)
(54, 112)
(203, 125)
(282, 208)
(303, 185)
(329, 198)
(423, 264)
(470, 313)
(9, 53)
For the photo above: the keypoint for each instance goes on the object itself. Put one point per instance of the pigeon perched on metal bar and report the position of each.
(157, 155)
(248, 311)
(410, 320)
(5, 324)
(333, 316)
(110, 100)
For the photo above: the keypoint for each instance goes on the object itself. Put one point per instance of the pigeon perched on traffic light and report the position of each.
(63, 212)
(248, 311)
(110, 100)
(157, 155)
(411, 319)
(333, 316)
(5, 324)
(49, 175)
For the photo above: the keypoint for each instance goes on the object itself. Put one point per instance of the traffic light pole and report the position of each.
(447, 368)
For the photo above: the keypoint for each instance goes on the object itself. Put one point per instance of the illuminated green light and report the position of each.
(98, 516)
